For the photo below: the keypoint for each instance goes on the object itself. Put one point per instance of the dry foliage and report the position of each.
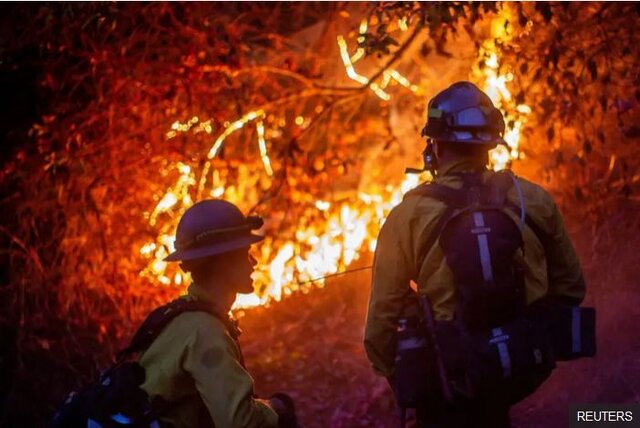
(580, 74)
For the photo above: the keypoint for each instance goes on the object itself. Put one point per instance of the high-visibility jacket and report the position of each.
(552, 268)
(194, 369)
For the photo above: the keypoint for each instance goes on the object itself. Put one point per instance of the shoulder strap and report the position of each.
(496, 188)
(160, 317)
(454, 199)
(457, 198)
(473, 191)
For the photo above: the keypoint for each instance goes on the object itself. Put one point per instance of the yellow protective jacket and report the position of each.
(551, 272)
(195, 367)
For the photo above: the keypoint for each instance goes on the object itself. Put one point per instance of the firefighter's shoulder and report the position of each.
(536, 197)
(194, 326)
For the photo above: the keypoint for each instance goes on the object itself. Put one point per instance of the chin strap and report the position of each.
(430, 161)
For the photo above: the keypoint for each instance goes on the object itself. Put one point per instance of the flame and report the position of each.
(230, 128)
(194, 124)
(353, 75)
(332, 234)
(178, 192)
(388, 75)
(403, 24)
(495, 85)
(336, 236)
(262, 144)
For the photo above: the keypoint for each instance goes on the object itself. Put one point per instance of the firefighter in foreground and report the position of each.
(195, 375)
(497, 280)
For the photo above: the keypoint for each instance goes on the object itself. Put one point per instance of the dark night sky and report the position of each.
(19, 75)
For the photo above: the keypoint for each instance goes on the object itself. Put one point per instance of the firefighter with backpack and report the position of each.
(184, 366)
(497, 280)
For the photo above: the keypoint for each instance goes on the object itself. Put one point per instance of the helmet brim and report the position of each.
(213, 249)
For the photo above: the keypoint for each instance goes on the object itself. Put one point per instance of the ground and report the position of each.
(311, 345)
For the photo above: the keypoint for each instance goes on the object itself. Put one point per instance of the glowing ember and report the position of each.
(262, 144)
(194, 124)
(178, 193)
(402, 24)
(230, 129)
(388, 75)
(353, 75)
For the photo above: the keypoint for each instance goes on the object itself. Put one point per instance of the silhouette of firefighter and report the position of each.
(184, 366)
(497, 280)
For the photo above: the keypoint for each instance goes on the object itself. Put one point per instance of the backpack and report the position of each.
(116, 399)
(492, 349)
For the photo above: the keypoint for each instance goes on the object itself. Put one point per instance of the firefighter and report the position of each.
(195, 374)
(462, 126)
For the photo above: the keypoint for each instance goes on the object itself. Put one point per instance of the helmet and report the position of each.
(462, 113)
(211, 227)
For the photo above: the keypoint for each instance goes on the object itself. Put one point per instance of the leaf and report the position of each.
(551, 81)
(593, 69)
(550, 133)
(545, 10)
(522, 19)
(553, 56)
(392, 41)
(631, 131)
(603, 102)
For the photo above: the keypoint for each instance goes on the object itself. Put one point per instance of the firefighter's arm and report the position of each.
(566, 282)
(389, 292)
(213, 360)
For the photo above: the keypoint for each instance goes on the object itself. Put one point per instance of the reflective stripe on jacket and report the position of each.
(196, 367)
(552, 268)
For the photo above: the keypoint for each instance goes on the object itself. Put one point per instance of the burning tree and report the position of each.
(293, 111)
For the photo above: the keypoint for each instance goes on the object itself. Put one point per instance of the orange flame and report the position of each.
(338, 232)
(495, 84)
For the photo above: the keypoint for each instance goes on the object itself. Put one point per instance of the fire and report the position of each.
(387, 76)
(334, 233)
(321, 248)
(495, 84)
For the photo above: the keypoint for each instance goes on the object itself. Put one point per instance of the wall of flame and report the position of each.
(338, 232)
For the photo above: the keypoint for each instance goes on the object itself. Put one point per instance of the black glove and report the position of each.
(286, 410)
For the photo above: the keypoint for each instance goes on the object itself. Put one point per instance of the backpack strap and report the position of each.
(494, 193)
(473, 192)
(160, 317)
(454, 199)
(457, 198)
(496, 188)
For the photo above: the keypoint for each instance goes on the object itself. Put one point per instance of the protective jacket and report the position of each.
(551, 266)
(196, 377)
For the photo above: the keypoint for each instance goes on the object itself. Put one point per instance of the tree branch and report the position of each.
(396, 55)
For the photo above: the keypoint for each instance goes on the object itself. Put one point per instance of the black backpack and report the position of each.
(116, 399)
(492, 348)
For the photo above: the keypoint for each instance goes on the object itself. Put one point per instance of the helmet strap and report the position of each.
(430, 158)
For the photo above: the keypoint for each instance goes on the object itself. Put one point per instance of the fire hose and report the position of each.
(332, 275)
